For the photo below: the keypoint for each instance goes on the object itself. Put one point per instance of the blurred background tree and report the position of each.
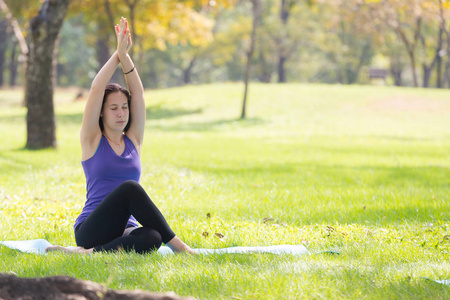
(178, 42)
(196, 41)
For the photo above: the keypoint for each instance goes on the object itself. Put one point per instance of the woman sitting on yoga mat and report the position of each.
(111, 137)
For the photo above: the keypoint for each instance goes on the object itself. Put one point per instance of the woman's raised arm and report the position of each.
(90, 129)
(137, 107)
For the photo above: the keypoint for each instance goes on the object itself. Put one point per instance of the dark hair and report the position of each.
(116, 88)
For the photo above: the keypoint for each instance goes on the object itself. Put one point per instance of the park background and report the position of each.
(325, 155)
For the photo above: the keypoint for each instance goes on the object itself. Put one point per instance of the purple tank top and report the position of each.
(105, 171)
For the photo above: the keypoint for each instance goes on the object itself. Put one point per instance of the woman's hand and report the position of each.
(123, 38)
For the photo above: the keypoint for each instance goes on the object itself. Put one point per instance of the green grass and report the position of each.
(355, 169)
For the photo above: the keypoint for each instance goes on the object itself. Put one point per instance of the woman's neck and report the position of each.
(114, 136)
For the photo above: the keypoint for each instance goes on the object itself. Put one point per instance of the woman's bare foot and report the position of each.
(69, 250)
(178, 246)
(189, 250)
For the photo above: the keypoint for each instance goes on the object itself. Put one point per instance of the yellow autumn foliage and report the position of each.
(155, 24)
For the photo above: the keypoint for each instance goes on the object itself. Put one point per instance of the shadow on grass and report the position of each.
(215, 125)
(163, 113)
(152, 114)
(14, 165)
(14, 119)
(338, 175)
(11, 163)
(158, 112)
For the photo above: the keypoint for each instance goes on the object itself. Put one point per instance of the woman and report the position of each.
(111, 137)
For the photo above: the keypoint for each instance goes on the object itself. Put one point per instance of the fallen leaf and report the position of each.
(330, 229)
(268, 219)
(219, 235)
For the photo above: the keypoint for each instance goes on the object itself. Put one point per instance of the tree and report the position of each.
(76, 59)
(41, 73)
(10, 9)
(390, 47)
(3, 43)
(153, 24)
(443, 14)
(348, 40)
(431, 39)
(407, 18)
(285, 12)
(101, 19)
(287, 38)
(256, 12)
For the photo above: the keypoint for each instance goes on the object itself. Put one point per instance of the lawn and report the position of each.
(360, 170)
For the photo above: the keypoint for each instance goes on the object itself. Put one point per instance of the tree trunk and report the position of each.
(426, 76)
(281, 69)
(109, 14)
(265, 71)
(102, 51)
(427, 69)
(132, 18)
(411, 47)
(13, 64)
(3, 43)
(282, 57)
(396, 71)
(353, 75)
(447, 64)
(40, 80)
(105, 28)
(137, 41)
(188, 71)
(412, 58)
(439, 61)
(256, 13)
(103, 54)
(447, 39)
(439, 73)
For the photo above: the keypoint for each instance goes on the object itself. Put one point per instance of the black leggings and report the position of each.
(103, 228)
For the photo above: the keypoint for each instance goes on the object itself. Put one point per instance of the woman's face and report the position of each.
(115, 112)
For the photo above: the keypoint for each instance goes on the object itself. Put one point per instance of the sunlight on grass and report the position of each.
(358, 170)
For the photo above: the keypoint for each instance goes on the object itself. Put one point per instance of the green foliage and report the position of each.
(76, 60)
(359, 170)
(323, 41)
(23, 10)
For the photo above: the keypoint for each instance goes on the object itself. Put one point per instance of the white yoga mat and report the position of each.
(38, 247)
(445, 281)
